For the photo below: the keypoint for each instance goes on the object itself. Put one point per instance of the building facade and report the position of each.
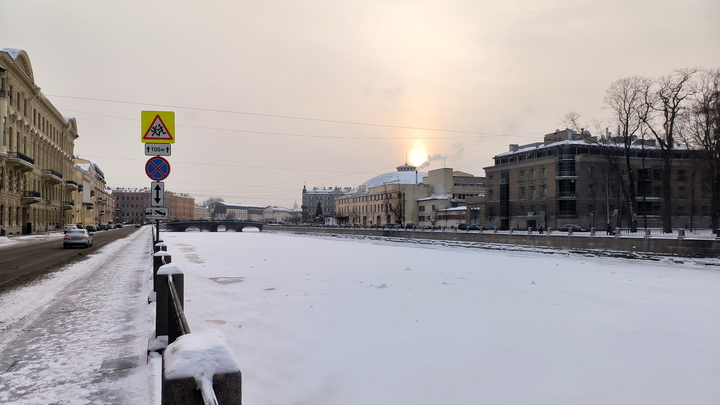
(94, 203)
(36, 152)
(130, 205)
(574, 178)
(224, 211)
(318, 204)
(389, 198)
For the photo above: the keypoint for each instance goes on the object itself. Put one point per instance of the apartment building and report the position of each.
(319, 203)
(94, 203)
(130, 205)
(222, 210)
(574, 178)
(36, 152)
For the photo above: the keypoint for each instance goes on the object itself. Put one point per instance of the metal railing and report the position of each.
(170, 320)
(177, 323)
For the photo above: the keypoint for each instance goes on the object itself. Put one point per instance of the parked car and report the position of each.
(70, 227)
(574, 228)
(91, 228)
(473, 227)
(463, 227)
(77, 237)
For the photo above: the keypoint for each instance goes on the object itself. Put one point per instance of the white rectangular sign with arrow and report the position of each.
(157, 149)
(157, 194)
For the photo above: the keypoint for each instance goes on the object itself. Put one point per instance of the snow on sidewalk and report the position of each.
(80, 336)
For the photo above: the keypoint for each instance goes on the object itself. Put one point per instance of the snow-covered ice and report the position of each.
(327, 320)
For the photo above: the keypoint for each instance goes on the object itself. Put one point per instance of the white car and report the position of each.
(69, 227)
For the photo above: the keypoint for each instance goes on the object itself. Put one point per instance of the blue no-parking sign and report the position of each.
(157, 168)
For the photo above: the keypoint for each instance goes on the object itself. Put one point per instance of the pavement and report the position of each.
(86, 343)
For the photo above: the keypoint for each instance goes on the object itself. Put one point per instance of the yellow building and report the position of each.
(390, 198)
(36, 152)
(94, 204)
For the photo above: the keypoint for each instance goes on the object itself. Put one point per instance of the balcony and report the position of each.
(52, 176)
(30, 197)
(68, 205)
(71, 185)
(20, 161)
(566, 174)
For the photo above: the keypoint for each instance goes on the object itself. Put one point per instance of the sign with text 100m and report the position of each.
(157, 149)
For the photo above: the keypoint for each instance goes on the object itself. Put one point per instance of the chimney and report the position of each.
(514, 147)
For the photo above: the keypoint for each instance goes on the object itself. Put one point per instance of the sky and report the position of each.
(348, 320)
(272, 96)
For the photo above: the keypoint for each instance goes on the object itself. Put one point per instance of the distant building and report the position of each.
(94, 203)
(231, 211)
(574, 178)
(130, 205)
(390, 198)
(281, 215)
(318, 204)
(201, 212)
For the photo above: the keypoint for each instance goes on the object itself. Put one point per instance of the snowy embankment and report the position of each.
(328, 320)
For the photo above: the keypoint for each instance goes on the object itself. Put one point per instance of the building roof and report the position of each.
(400, 177)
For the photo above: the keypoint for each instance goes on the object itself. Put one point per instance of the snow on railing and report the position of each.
(198, 368)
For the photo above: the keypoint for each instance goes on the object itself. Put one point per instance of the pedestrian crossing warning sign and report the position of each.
(157, 126)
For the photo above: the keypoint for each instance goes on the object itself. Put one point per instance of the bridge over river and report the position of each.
(212, 226)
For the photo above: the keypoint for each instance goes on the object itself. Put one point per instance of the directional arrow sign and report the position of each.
(157, 149)
(157, 194)
(157, 212)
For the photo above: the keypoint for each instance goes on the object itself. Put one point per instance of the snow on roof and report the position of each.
(404, 177)
(84, 166)
(462, 208)
(434, 197)
(237, 206)
(12, 52)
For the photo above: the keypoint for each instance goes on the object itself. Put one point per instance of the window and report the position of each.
(521, 193)
(682, 193)
(533, 192)
(681, 210)
(681, 175)
(544, 191)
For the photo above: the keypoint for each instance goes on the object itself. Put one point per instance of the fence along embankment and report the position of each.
(198, 368)
(679, 243)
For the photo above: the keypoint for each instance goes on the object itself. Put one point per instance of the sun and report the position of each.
(416, 157)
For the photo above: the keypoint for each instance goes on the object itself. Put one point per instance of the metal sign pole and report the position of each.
(157, 231)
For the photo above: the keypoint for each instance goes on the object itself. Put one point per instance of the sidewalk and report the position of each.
(81, 334)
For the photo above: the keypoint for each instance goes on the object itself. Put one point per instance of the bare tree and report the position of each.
(572, 120)
(703, 130)
(665, 100)
(625, 98)
(211, 201)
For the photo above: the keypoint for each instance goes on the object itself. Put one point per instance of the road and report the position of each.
(26, 261)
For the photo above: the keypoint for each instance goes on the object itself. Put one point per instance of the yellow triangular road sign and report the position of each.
(158, 126)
